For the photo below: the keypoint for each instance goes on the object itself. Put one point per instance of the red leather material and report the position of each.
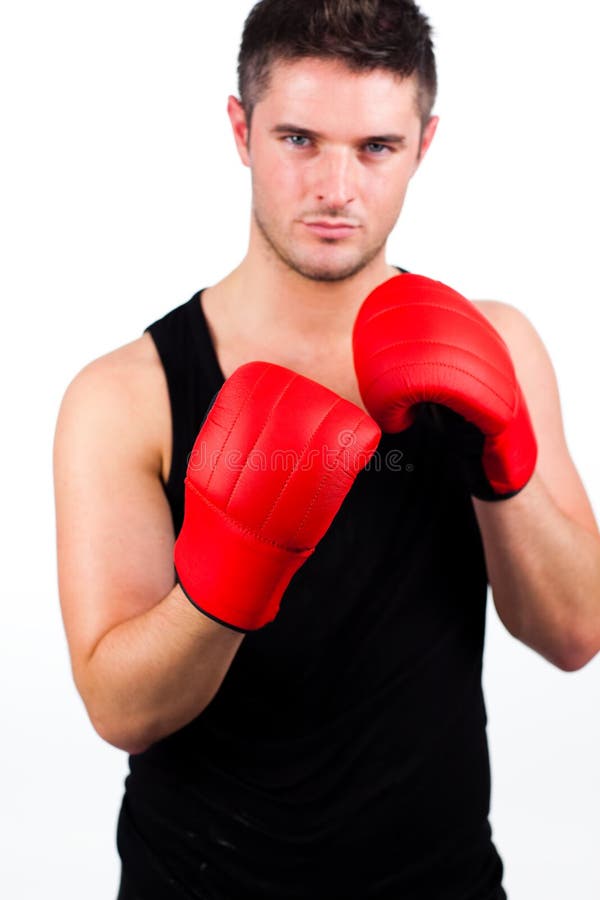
(270, 468)
(416, 340)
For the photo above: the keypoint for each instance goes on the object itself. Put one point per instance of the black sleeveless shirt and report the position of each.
(345, 755)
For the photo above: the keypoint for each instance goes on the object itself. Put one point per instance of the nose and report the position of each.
(334, 183)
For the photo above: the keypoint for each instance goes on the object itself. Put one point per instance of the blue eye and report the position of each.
(376, 148)
(296, 140)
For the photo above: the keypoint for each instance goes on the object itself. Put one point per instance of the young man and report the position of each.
(311, 724)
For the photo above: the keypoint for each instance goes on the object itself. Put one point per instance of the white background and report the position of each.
(121, 195)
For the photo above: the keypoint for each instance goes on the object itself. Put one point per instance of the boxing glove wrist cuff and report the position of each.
(228, 572)
(509, 457)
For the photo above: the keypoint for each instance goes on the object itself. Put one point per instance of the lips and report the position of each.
(331, 230)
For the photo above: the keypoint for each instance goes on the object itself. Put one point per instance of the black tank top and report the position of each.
(345, 754)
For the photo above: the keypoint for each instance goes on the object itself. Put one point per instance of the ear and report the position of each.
(237, 117)
(426, 139)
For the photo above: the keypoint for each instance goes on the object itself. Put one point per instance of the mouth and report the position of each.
(331, 230)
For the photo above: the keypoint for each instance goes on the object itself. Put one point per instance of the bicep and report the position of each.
(537, 378)
(114, 528)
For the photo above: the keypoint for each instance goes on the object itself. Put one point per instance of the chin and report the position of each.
(328, 275)
(328, 270)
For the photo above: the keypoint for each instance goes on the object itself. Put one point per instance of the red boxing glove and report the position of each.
(416, 340)
(270, 468)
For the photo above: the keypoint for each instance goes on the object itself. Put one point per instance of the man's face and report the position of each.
(331, 154)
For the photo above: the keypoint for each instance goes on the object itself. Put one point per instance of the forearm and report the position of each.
(544, 570)
(151, 675)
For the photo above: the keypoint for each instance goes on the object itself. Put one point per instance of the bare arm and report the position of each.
(144, 660)
(542, 546)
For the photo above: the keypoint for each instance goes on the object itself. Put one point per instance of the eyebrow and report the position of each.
(287, 128)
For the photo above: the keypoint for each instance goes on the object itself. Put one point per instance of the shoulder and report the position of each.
(529, 355)
(121, 396)
(512, 324)
(131, 368)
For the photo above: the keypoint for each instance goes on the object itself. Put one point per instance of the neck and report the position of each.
(276, 298)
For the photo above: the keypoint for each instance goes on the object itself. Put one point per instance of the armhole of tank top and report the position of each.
(197, 349)
(156, 342)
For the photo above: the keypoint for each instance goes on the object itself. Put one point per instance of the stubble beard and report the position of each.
(314, 271)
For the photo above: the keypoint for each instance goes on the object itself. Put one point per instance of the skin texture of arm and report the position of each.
(542, 547)
(144, 660)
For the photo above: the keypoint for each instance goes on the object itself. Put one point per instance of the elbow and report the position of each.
(566, 652)
(577, 652)
(112, 718)
(133, 731)
(122, 743)
(117, 725)
(569, 664)
(120, 734)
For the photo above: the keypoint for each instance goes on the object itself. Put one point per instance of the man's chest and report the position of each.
(332, 367)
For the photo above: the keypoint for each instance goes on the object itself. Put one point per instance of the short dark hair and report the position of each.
(363, 34)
